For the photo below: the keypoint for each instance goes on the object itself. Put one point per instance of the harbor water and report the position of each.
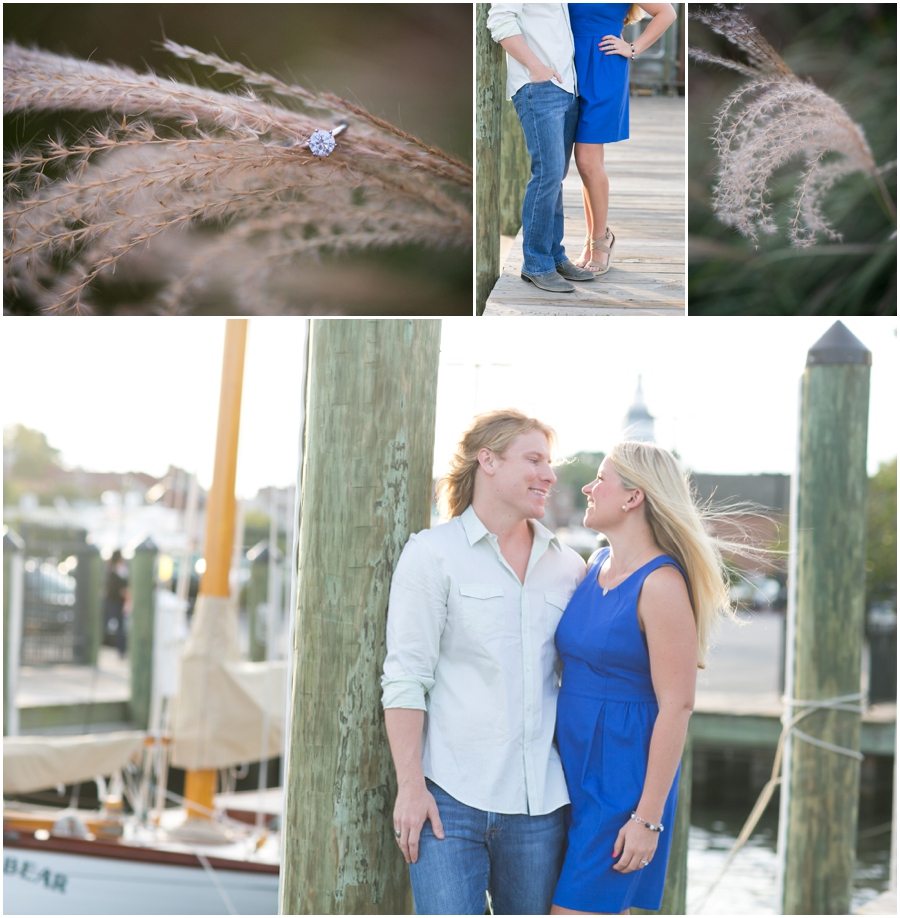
(750, 885)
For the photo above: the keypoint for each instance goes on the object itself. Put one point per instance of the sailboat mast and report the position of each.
(200, 785)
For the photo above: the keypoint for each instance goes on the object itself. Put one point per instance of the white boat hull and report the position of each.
(40, 882)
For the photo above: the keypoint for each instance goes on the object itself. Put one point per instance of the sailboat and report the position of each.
(213, 854)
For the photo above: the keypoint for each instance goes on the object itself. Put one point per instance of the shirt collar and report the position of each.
(476, 530)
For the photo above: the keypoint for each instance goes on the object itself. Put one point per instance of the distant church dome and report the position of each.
(638, 422)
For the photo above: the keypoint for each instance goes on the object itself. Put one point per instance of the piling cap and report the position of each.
(147, 545)
(839, 345)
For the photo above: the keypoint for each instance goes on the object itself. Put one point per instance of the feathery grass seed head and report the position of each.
(772, 119)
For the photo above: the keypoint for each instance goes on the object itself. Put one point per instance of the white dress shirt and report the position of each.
(547, 31)
(474, 648)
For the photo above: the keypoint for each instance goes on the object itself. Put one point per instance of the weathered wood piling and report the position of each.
(488, 100)
(366, 485)
(820, 793)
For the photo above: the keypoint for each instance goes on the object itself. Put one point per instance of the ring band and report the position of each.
(396, 833)
(645, 863)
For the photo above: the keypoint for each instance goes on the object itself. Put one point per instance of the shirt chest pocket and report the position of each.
(554, 606)
(481, 607)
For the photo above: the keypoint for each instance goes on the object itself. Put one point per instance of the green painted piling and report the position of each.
(89, 587)
(489, 92)
(366, 485)
(142, 586)
(256, 597)
(819, 810)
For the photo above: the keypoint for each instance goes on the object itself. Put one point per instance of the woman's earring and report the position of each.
(624, 508)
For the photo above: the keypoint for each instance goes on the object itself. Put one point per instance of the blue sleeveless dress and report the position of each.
(602, 78)
(605, 715)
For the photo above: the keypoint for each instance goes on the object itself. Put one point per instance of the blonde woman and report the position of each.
(631, 640)
(474, 605)
(601, 63)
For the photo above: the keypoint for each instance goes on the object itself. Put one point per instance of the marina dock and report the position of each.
(738, 707)
(647, 195)
(738, 695)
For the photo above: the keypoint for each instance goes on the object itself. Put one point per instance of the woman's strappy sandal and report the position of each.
(598, 244)
(582, 261)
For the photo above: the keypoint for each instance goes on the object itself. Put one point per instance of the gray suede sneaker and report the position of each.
(572, 272)
(552, 282)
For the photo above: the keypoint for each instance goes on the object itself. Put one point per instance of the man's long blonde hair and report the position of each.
(494, 430)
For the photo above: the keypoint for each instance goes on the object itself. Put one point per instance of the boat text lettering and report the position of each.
(29, 871)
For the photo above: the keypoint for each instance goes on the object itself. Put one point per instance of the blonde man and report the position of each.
(471, 679)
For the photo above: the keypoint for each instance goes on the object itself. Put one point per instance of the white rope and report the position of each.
(229, 905)
(789, 728)
(841, 703)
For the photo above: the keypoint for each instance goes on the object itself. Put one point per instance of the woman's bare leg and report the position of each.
(595, 192)
(589, 222)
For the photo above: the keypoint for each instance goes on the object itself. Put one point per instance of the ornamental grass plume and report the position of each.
(206, 185)
(773, 118)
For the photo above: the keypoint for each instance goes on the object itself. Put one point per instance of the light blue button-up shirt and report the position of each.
(474, 648)
(548, 32)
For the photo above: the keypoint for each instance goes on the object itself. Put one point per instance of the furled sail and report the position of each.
(32, 763)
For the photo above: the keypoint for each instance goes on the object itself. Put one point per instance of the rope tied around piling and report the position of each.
(789, 722)
(840, 703)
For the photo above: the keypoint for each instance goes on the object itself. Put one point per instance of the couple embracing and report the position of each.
(568, 79)
(537, 712)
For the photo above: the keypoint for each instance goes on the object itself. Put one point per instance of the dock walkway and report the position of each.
(647, 194)
(738, 695)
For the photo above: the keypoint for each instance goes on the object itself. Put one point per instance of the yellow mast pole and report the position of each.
(200, 785)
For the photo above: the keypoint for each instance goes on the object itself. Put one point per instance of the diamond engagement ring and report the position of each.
(321, 143)
(396, 833)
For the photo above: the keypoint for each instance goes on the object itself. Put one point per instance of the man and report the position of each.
(541, 82)
(471, 679)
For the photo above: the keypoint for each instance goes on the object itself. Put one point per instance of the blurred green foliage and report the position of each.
(881, 535)
(576, 471)
(849, 51)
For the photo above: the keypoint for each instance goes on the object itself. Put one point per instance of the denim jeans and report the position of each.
(515, 858)
(549, 116)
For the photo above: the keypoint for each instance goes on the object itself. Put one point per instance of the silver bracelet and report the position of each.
(632, 51)
(648, 825)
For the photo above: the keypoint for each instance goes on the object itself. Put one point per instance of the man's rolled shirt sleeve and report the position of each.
(503, 20)
(417, 611)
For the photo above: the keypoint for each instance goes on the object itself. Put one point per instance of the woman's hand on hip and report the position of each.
(413, 807)
(635, 847)
(610, 44)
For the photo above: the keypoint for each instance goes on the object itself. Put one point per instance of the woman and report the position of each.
(631, 640)
(601, 64)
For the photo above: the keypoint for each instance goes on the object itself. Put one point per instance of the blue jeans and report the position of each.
(549, 116)
(515, 858)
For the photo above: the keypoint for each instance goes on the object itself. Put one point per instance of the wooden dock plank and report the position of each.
(647, 215)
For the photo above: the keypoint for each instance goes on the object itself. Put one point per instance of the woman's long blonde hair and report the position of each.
(494, 430)
(634, 14)
(680, 527)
